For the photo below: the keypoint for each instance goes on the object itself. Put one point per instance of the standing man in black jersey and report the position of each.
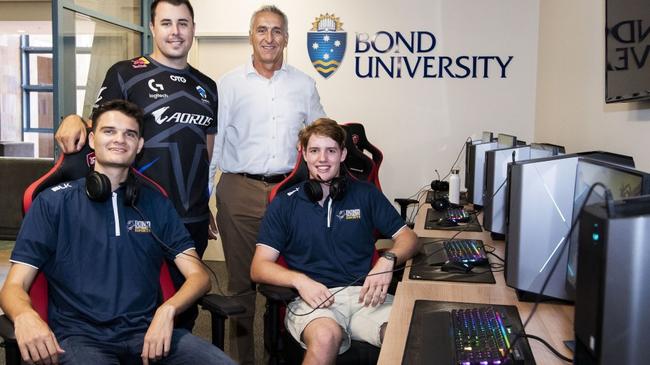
(180, 105)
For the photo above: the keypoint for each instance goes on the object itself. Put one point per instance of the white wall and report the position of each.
(571, 85)
(420, 124)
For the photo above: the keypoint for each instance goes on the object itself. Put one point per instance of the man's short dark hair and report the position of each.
(155, 3)
(125, 107)
(323, 127)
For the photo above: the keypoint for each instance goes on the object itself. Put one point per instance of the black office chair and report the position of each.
(71, 167)
(281, 346)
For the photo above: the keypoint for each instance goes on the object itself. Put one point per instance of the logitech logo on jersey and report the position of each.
(177, 78)
(138, 226)
(178, 117)
(156, 87)
(61, 186)
(349, 214)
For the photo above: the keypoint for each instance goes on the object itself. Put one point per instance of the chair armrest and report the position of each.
(7, 329)
(277, 293)
(221, 305)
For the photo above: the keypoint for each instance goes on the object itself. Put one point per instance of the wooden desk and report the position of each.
(552, 322)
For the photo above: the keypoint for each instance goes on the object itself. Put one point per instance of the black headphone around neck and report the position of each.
(337, 186)
(98, 188)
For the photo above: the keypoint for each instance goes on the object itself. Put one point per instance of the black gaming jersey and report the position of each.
(180, 108)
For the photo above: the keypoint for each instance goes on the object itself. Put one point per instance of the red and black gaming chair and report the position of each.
(357, 138)
(281, 346)
(71, 167)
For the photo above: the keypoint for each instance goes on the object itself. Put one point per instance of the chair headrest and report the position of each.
(68, 167)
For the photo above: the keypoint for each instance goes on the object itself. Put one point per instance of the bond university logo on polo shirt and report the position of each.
(138, 226)
(326, 44)
(349, 214)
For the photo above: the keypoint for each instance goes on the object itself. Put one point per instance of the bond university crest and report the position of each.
(326, 44)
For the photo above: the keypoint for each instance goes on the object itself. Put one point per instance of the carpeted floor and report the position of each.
(202, 327)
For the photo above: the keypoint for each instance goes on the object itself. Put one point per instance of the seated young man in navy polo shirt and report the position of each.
(103, 264)
(324, 230)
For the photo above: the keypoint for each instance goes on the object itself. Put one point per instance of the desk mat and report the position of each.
(426, 265)
(430, 338)
(431, 223)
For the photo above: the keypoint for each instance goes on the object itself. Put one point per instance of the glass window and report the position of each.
(98, 46)
(127, 10)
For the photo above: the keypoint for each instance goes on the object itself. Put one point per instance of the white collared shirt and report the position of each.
(259, 119)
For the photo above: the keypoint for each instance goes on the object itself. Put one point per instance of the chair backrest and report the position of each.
(357, 138)
(71, 167)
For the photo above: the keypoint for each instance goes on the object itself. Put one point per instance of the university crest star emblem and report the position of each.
(326, 44)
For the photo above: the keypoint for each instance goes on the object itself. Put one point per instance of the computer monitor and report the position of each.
(475, 169)
(506, 140)
(539, 150)
(540, 207)
(487, 137)
(496, 181)
(622, 182)
(612, 320)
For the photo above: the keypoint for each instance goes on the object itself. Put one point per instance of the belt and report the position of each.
(271, 179)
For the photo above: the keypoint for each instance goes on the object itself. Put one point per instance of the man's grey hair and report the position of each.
(275, 10)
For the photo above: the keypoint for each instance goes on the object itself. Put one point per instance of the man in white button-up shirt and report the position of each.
(263, 104)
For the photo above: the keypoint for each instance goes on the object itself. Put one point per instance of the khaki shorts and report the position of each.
(359, 323)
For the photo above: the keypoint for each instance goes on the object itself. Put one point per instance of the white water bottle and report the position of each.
(454, 187)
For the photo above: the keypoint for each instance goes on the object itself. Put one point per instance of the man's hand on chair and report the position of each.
(71, 135)
(36, 342)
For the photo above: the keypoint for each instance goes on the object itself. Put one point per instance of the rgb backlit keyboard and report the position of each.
(457, 215)
(466, 251)
(480, 337)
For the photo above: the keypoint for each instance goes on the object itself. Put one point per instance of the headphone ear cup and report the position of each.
(132, 189)
(313, 190)
(440, 204)
(98, 187)
(439, 185)
(338, 187)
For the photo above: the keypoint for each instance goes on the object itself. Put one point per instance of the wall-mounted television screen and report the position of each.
(627, 32)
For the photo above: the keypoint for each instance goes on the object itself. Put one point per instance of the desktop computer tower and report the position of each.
(612, 320)
(540, 209)
(475, 170)
(496, 183)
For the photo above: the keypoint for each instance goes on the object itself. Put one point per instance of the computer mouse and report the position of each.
(444, 222)
(456, 267)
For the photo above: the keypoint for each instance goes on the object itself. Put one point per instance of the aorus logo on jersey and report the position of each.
(178, 117)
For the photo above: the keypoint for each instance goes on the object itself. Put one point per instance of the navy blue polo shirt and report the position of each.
(332, 244)
(100, 259)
